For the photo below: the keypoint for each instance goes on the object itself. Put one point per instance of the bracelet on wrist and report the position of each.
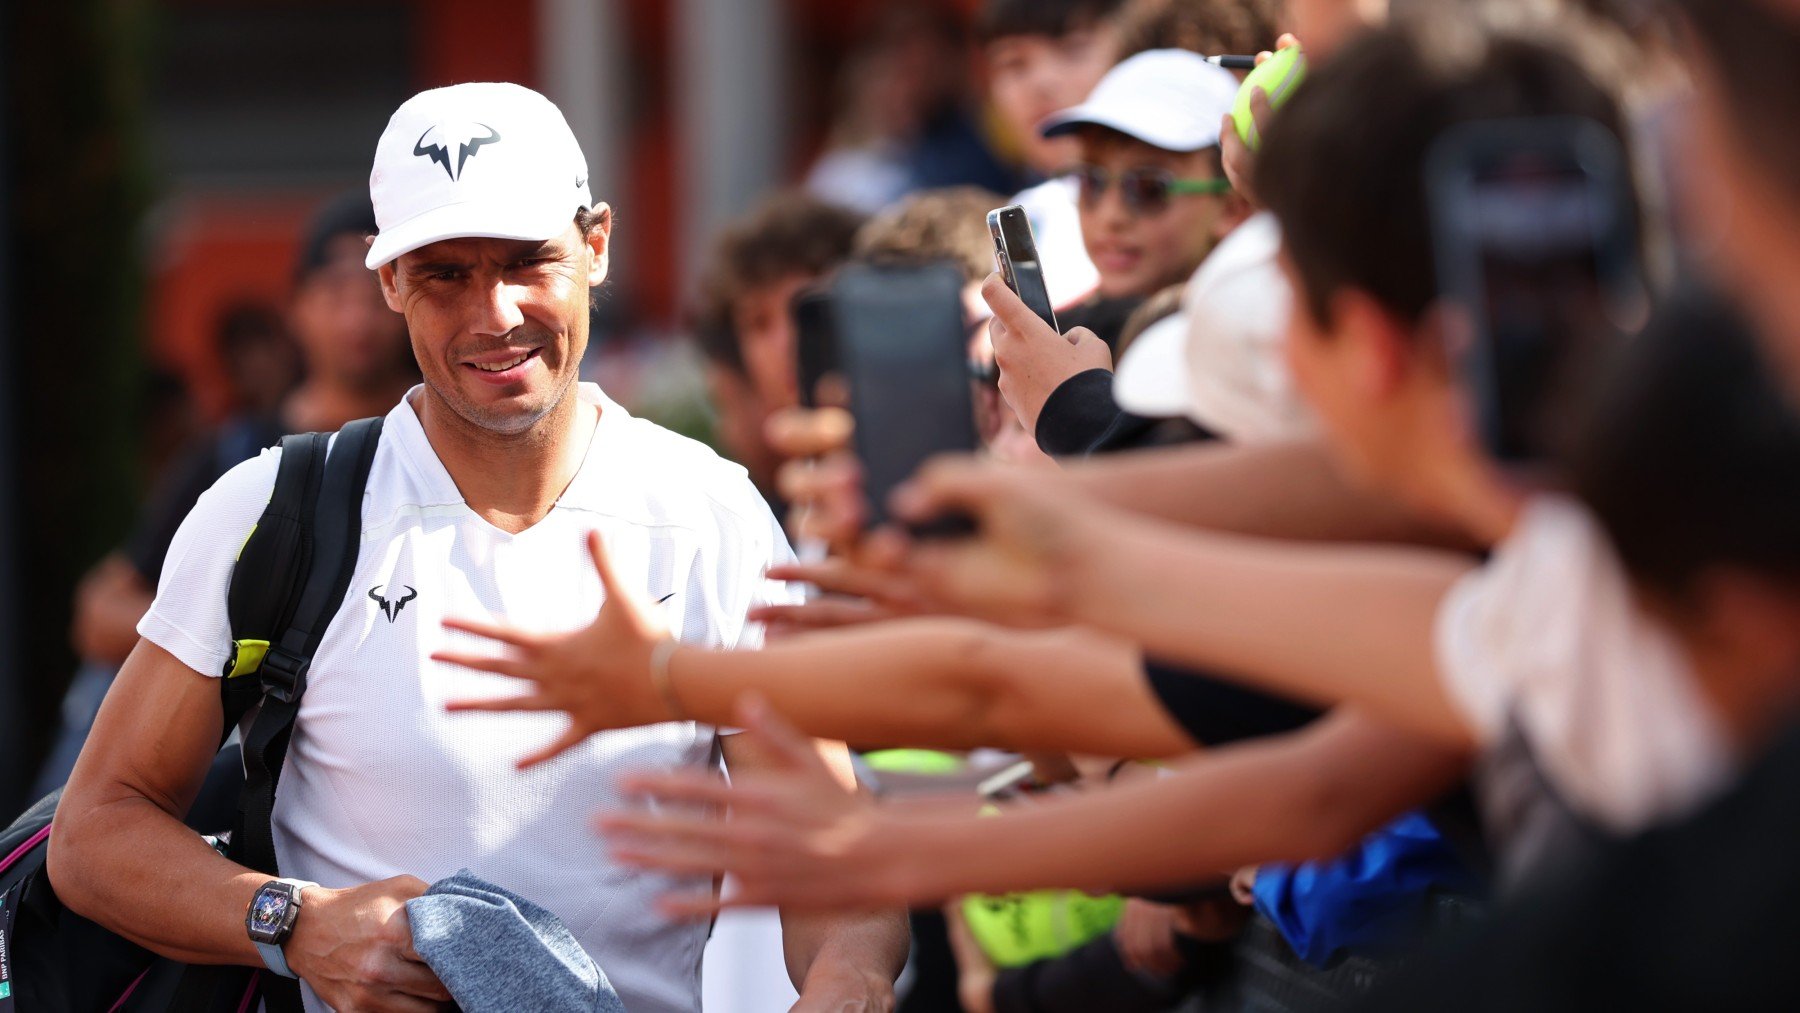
(660, 678)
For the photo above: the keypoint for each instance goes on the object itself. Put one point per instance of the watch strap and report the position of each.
(274, 959)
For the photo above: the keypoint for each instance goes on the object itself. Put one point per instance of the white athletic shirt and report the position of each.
(380, 781)
(1547, 639)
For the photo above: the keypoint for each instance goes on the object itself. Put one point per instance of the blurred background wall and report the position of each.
(157, 160)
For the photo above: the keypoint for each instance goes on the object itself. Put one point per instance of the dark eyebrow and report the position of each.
(435, 267)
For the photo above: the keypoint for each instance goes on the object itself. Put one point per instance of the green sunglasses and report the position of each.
(1145, 191)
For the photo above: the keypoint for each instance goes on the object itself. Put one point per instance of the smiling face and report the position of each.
(1141, 253)
(499, 325)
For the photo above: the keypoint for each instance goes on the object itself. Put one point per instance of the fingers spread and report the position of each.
(492, 631)
(510, 667)
(565, 742)
(531, 702)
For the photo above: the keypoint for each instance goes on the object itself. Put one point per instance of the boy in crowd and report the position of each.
(1153, 203)
(1043, 56)
(745, 327)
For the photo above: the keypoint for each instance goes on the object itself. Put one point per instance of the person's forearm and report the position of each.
(1322, 623)
(167, 890)
(1310, 794)
(1280, 490)
(826, 950)
(943, 683)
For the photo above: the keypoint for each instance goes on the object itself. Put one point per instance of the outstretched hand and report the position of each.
(796, 836)
(599, 675)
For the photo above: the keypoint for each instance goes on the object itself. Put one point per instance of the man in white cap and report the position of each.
(488, 479)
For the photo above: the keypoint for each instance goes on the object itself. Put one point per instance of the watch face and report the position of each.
(268, 910)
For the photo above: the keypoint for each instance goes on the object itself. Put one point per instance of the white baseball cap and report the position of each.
(1168, 98)
(1220, 362)
(494, 161)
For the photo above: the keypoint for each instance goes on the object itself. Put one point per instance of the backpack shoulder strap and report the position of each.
(282, 598)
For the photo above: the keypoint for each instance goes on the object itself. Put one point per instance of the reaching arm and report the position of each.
(795, 840)
(1327, 623)
(946, 683)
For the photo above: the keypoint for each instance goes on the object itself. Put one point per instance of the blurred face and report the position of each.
(1139, 251)
(764, 325)
(1323, 25)
(1754, 221)
(499, 325)
(1389, 412)
(1032, 76)
(343, 327)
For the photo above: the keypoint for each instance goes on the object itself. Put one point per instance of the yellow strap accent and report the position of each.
(243, 543)
(249, 657)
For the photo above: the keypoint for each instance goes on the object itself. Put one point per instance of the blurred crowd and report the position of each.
(1288, 665)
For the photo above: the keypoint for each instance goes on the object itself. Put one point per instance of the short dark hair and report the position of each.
(1690, 454)
(999, 19)
(790, 233)
(1207, 27)
(1754, 50)
(348, 214)
(947, 223)
(1342, 165)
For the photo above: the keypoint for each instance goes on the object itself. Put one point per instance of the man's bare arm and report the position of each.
(836, 961)
(121, 856)
(119, 821)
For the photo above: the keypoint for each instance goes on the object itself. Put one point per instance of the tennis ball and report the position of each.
(1278, 76)
(1018, 928)
(913, 761)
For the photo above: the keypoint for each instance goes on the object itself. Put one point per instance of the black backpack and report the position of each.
(288, 582)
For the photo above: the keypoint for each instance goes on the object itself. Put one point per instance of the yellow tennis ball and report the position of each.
(1277, 76)
(1018, 928)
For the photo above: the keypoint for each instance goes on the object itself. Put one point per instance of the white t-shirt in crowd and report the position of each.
(380, 781)
(1237, 306)
(1547, 639)
(1056, 225)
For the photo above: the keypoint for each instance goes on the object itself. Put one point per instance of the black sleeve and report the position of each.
(1214, 712)
(1077, 413)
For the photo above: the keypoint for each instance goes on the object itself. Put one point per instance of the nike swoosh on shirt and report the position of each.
(665, 597)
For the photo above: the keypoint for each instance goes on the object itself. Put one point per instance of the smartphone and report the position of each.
(1535, 238)
(1016, 255)
(901, 345)
(816, 358)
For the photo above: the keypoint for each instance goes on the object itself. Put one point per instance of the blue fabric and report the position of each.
(499, 953)
(1366, 899)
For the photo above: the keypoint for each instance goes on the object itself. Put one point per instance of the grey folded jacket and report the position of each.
(499, 953)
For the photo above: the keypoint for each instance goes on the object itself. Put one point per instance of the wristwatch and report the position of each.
(271, 918)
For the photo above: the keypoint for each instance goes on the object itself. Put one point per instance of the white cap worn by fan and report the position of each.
(494, 161)
(1219, 362)
(1168, 98)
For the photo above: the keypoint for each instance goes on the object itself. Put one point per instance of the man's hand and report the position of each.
(599, 675)
(841, 990)
(354, 947)
(1145, 935)
(797, 837)
(1036, 532)
(821, 479)
(1034, 360)
(1239, 161)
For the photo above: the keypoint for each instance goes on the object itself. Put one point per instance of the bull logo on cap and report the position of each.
(470, 136)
